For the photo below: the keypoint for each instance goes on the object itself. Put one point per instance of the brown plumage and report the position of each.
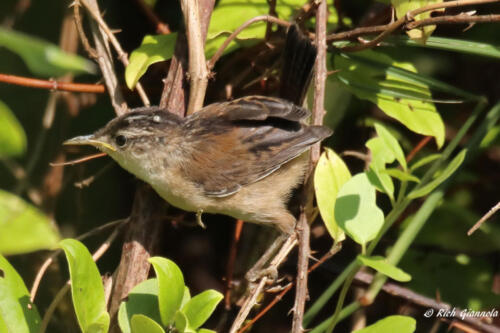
(240, 158)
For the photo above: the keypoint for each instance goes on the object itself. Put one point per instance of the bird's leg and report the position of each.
(258, 270)
(285, 222)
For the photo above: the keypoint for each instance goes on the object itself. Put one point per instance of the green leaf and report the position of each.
(447, 172)
(181, 322)
(424, 161)
(356, 211)
(330, 174)
(412, 77)
(143, 324)
(171, 288)
(400, 324)
(381, 155)
(44, 58)
(17, 313)
(12, 136)
(228, 15)
(23, 228)
(186, 297)
(200, 307)
(449, 44)
(153, 49)
(87, 290)
(392, 144)
(419, 34)
(402, 98)
(142, 299)
(401, 175)
(381, 265)
(204, 330)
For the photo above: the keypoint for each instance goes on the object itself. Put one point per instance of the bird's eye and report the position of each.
(120, 140)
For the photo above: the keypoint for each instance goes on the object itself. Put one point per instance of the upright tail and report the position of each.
(299, 56)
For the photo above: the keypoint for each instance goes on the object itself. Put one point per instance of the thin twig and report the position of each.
(51, 84)
(198, 72)
(122, 55)
(46, 264)
(251, 299)
(318, 112)
(484, 218)
(161, 27)
(232, 36)
(59, 296)
(79, 160)
(453, 19)
(390, 28)
(103, 58)
(418, 148)
(278, 298)
(230, 263)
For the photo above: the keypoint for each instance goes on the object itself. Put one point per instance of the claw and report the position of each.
(198, 219)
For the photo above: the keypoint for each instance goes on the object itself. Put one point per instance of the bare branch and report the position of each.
(122, 56)
(198, 73)
(251, 299)
(484, 218)
(51, 84)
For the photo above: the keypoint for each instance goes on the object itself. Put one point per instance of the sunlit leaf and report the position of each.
(142, 299)
(17, 313)
(171, 288)
(87, 290)
(143, 324)
(153, 49)
(381, 155)
(330, 174)
(400, 324)
(404, 99)
(12, 137)
(449, 44)
(356, 211)
(201, 306)
(392, 144)
(381, 265)
(44, 58)
(424, 161)
(447, 172)
(401, 175)
(23, 228)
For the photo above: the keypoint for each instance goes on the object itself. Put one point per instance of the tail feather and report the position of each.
(299, 57)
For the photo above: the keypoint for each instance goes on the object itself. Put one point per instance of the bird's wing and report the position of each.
(242, 141)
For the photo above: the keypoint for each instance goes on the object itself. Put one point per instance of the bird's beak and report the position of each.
(88, 140)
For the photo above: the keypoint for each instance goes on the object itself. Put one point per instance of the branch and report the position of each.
(278, 298)
(484, 218)
(453, 19)
(103, 58)
(161, 27)
(198, 73)
(408, 18)
(318, 112)
(251, 299)
(122, 56)
(51, 84)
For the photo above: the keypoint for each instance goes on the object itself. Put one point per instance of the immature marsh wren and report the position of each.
(240, 158)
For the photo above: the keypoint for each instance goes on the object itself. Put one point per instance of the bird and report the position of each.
(241, 158)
